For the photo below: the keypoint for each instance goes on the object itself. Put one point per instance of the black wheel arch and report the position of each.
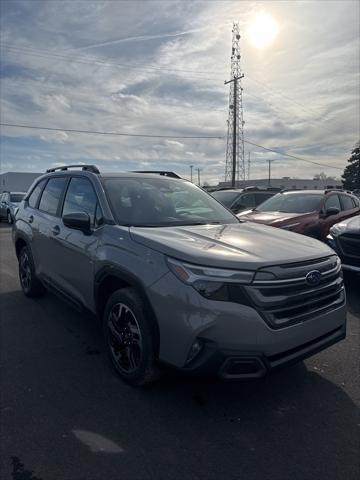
(19, 243)
(109, 279)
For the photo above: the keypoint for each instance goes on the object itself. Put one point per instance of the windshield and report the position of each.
(226, 198)
(163, 202)
(292, 203)
(16, 197)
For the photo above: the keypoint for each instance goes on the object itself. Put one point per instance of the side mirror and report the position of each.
(332, 211)
(78, 221)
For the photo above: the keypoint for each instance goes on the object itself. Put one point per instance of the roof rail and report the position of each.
(87, 168)
(159, 172)
(250, 188)
(328, 190)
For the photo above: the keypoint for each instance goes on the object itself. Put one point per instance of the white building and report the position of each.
(17, 181)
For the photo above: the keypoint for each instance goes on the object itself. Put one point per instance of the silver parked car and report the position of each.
(344, 238)
(9, 203)
(189, 285)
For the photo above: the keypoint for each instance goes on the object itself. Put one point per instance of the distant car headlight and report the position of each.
(291, 226)
(208, 281)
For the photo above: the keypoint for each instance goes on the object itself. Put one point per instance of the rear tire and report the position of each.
(129, 338)
(30, 284)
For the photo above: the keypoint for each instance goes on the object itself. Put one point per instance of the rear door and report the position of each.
(48, 218)
(29, 222)
(349, 206)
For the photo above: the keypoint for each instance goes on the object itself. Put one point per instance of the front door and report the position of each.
(73, 263)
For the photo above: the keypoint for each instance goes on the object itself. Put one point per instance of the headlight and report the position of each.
(338, 228)
(208, 281)
(291, 226)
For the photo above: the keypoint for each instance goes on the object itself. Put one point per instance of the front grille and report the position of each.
(350, 244)
(288, 299)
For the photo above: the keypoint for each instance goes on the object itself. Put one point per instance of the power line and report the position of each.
(92, 60)
(291, 156)
(121, 134)
(118, 134)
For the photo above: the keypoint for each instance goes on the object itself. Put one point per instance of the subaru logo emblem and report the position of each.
(313, 278)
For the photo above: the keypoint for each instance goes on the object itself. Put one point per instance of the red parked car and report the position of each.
(310, 212)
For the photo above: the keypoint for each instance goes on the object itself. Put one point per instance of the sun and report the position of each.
(263, 30)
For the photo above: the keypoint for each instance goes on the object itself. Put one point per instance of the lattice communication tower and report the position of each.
(235, 161)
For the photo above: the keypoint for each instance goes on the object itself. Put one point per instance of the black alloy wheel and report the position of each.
(130, 338)
(25, 273)
(124, 338)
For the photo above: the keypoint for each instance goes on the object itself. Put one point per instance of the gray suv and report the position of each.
(189, 286)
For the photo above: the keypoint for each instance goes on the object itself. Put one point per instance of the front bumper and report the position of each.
(233, 365)
(236, 340)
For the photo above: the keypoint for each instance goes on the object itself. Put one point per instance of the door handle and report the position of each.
(55, 230)
(31, 219)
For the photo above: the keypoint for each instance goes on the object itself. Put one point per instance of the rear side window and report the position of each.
(80, 197)
(347, 202)
(35, 194)
(51, 195)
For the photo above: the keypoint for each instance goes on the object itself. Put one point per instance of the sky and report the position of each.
(158, 68)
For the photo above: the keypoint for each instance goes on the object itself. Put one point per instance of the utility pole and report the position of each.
(235, 160)
(248, 175)
(198, 170)
(191, 173)
(269, 181)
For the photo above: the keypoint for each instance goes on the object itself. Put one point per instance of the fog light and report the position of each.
(195, 349)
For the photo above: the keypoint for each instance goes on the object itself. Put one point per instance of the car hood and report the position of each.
(243, 245)
(350, 225)
(269, 218)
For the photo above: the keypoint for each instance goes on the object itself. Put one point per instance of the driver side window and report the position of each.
(80, 197)
(332, 202)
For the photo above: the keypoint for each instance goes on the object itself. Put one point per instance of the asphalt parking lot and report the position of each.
(66, 416)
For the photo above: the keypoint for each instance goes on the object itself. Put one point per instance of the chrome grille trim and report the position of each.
(286, 301)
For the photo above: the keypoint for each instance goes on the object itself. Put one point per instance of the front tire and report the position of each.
(129, 338)
(30, 284)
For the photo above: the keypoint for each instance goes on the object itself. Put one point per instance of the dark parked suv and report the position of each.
(189, 285)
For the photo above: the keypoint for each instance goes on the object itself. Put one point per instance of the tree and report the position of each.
(323, 177)
(351, 175)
